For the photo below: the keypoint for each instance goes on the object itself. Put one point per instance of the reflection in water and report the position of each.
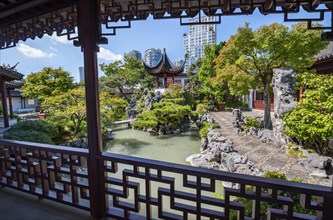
(128, 146)
(170, 148)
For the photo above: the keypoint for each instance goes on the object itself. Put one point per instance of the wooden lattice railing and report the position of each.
(135, 188)
(51, 172)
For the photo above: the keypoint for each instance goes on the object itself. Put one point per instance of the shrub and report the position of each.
(205, 128)
(29, 135)
(311, 122)
(201, 108)
(33, 131)
(251, 122)
(161, 114)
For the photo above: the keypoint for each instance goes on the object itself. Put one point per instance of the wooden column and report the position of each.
(4, 103)
(88, 28)
(10, 104)
(173, 78)
(301, 91)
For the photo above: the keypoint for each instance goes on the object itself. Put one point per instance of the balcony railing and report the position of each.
(135, 188)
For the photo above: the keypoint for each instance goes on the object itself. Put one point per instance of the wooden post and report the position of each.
(89, 34)
(4, 103)
(10, 104)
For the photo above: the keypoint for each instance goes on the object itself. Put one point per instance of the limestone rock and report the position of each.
(131, 111)
(265, 135)
(238, 120)
(220, 154)
(152, 131)
(284, 81)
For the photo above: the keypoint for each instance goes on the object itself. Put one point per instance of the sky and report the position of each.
(53, 51)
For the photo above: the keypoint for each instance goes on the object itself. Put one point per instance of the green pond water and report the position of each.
(173, 148)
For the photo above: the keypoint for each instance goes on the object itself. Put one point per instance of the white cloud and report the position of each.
(53, 49)
(61, 39)
(33, 52)
(108, 55)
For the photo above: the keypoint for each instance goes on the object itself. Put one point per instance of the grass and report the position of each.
(296, 152)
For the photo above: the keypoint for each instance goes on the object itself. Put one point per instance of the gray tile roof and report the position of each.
(325, 53)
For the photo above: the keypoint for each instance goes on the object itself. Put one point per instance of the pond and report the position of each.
(173, 148)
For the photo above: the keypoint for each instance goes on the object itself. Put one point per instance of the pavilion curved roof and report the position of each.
(14, 85)
(164, 66)
(325, 53)
(8, 74)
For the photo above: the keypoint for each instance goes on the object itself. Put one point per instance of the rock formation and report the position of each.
(238, 120)
(284, 82)
(131, 111)
(219, 154)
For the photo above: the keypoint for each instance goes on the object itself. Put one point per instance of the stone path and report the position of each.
(266, 156)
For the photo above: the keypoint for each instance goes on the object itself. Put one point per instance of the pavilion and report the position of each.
(164, 69)
(324, 60)
(118, 186)
(7, 83)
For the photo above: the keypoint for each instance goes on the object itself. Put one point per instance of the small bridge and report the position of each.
(128, 122)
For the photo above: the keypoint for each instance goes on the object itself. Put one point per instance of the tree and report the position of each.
(112, 109)
(210, 89)
(258, 52)
(68, 110)
(311, 122)
(46, 83)
(123, 77)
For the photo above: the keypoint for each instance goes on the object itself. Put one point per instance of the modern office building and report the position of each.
(135, 54)
(81, 73)
(197, 38)
(152, 56)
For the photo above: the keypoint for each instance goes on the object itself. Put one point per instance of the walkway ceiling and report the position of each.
(23, 19)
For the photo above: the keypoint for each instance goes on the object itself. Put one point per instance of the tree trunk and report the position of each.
(267, 113)
(124, 96)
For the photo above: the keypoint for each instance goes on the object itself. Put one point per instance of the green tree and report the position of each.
(112, 109)
(192, 86)
(68, 110)
(123, 77)
(258, 52)
(46, 83)
(311, 122)
(211, 90)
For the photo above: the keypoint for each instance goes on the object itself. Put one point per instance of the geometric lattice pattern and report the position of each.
(138, 188)
(118, 14)
(63, 22)
(52, 172)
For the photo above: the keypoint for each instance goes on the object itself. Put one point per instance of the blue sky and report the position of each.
(55, 52)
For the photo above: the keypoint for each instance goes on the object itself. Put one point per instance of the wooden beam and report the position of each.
(4, 103)
(10, 104)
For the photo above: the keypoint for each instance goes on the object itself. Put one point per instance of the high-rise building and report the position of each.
(197, 38)
(135, 54)
(81, 73)
(152, 56)
(178, 62)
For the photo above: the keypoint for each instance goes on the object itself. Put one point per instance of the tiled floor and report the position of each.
(16, 205)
